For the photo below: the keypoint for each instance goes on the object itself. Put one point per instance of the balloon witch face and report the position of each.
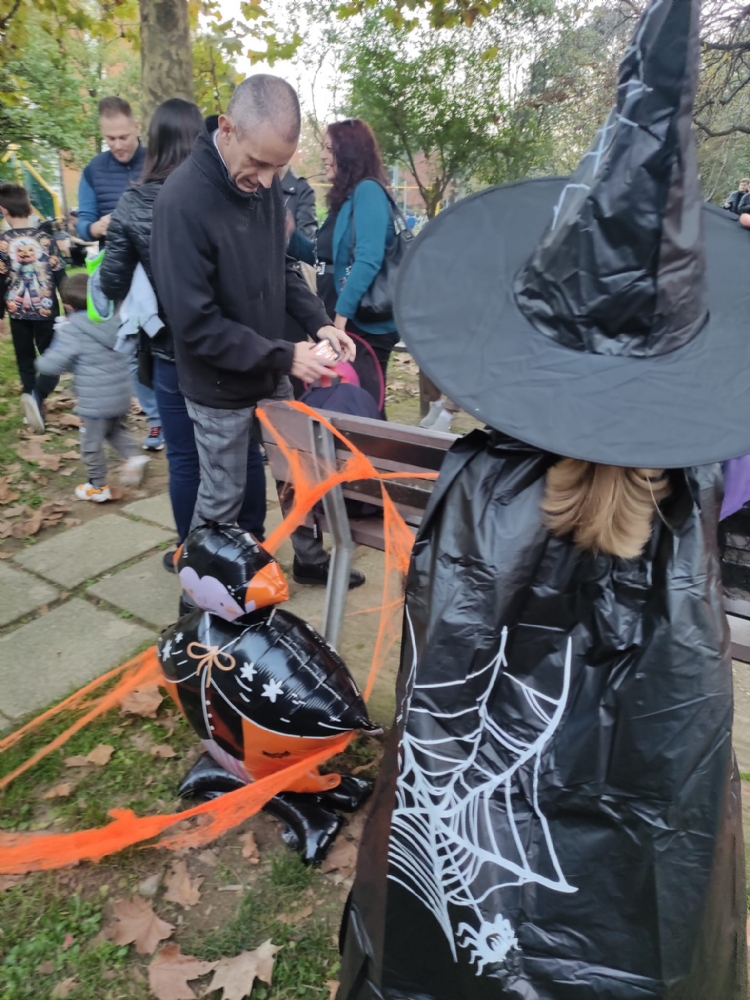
(224, 570)
(262, 692)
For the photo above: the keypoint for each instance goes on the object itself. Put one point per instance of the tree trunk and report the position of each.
(166, 54)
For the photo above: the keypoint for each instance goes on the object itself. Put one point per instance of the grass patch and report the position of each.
(132, 779)
(308, 957)
(48, 936)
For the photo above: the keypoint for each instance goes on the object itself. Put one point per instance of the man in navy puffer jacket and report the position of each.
(111, 172)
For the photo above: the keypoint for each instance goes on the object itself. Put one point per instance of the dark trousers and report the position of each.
(32, 337)
(184, 466)
(382, 344)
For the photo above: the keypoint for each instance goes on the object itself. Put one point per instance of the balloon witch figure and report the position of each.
(558, 813)
(260, 687)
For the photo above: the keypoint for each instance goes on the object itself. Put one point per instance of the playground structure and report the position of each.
(44, 200)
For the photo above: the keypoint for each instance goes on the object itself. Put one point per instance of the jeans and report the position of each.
(184, 467)
(146, 396)
(32, 337)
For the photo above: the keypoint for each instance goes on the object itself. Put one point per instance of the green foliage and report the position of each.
(58, 60)
(443, 102)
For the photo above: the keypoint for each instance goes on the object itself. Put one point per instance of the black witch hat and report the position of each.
(602, 316)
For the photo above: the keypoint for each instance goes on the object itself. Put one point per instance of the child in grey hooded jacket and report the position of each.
(101, 381)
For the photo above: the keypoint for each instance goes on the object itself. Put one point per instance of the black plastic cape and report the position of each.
(558, 815)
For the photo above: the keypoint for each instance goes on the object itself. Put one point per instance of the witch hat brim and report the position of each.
(458, 315)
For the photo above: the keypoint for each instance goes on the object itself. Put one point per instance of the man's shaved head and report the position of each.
(266, 98)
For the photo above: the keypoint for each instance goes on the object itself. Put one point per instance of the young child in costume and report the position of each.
(101, 383)
(31, 269)
(558, 812)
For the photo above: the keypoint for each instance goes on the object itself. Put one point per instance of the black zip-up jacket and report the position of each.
(225, 282)
(128, 245)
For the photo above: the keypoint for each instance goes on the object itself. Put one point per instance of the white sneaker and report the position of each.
(32, 411)
(96, 494)
(435, 410)
(131, 472)
(443, 422)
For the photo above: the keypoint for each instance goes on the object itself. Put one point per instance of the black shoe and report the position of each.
(168, 561)
(317, 575)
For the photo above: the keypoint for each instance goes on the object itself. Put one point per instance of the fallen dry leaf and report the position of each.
(68, 420)
(72, 522)
(143, 701)
(5, 555)
(70, 442)
(64, 988)
(8, 881)
(171, 971)
(236, 976)
(181, 888)
(46, 968)
(67, 472)
(7, 495)
(50, 462)
(39, 477)
(101, 755)
(138, 924)
(68, 942)
(164, 751)
(5, 532)
(333, 988)
(77, 761)
(295, 918)
(250, 848)
(71, 455)
(60, 791)
(342, 857)
(31, 451)
(208, 858)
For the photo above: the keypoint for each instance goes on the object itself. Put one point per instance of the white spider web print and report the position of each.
(450, 810)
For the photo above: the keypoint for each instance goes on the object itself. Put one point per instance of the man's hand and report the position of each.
(340, 340)
(99, 228)
(306, 367)
(745, 220)
(290, 225)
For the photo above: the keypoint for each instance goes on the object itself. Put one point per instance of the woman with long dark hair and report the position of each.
(172, 132)
(353, 240)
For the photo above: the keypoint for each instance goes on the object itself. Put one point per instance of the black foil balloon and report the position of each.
(223, 569)
(261, 692)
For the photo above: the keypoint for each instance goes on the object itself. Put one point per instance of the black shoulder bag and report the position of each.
(376, 304)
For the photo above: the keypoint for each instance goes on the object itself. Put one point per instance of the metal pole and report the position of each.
(324, 452)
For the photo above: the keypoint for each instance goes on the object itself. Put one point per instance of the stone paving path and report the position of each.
(79, 603)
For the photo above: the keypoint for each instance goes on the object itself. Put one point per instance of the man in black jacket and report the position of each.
(225, 282)
(299, 199)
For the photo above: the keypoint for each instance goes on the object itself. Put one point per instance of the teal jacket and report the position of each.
(374, 232)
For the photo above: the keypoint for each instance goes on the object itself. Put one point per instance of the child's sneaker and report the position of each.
(154, 440)
(31, 405)
(131, 472)
(97, 494)
(435, 410)
(443, 421)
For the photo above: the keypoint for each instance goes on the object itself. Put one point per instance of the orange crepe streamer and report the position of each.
(27, 852)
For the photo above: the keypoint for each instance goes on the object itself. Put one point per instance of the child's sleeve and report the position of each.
(61, 355)
(56, 263)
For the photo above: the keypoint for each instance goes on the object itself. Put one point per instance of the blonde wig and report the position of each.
(605, 508)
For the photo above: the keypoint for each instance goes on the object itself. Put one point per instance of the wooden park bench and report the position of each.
(390, 448)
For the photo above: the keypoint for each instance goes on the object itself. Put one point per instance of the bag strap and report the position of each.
(396, 215)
